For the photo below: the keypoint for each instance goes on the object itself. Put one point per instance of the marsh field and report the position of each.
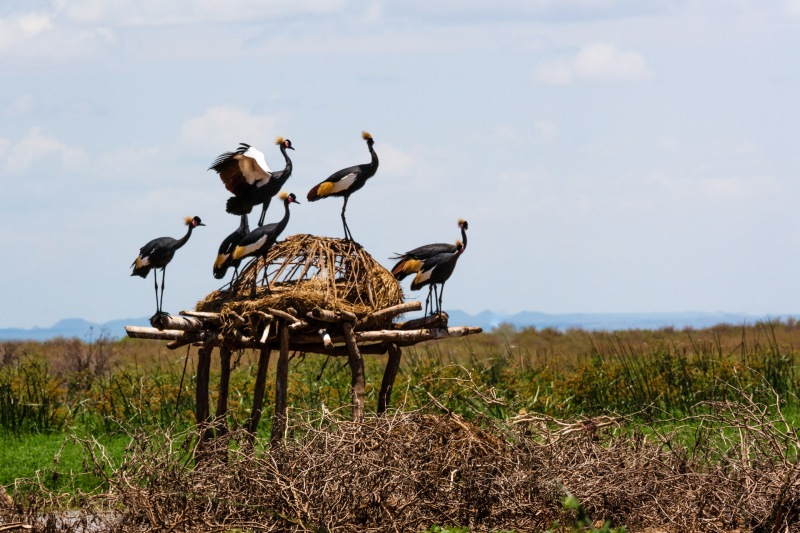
(511, 430)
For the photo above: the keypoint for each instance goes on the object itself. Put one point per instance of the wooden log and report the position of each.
(281, 384)
(389, 376)
(258, 393)
(183, 323)
(405, 337)
(388, 313)
(429, 321)
(138, 332)
(212, 318)
(335, 317)
(356, 372)
(300, 326)
(221, 415)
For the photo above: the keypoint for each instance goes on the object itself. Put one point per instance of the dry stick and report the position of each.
(356, 371)
(180, 386)
(281, 382)
(258, 393)
(221, 416)
(389, 376)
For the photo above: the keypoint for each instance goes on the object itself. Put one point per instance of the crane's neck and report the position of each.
(373, 165)
(463, 238)
(180, 242)
(243, 225)
(288, 168)
(285, 220)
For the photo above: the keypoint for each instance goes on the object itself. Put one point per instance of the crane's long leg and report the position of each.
(161, 303)
(155, 284)
(435, 297)
(441, 292)
(264, 212)
(347, 235)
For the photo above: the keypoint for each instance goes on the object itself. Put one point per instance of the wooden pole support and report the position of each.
(281, 384)
(258, 392)
(356, 371)
(389, 376)
(221, 416)
(201, 411)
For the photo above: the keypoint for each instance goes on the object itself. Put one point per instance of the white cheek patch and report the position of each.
(344, 183)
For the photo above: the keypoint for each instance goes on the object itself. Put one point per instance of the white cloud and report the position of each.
(225, 126)
(17, 30)
(594, 62)
(792, 8)
(37, 146)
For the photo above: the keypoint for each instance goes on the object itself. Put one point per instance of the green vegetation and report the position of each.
(534, 415)
(109, 388)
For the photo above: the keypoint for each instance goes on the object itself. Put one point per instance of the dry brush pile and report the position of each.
(730, 466)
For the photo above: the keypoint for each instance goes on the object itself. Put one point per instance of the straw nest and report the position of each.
(304, 272)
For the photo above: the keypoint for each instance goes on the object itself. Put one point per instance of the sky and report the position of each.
(609, 155)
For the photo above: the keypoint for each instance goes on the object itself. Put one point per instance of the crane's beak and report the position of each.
(291, 147)
(201, 224)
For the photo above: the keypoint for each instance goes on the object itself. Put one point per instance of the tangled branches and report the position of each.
(730, 466)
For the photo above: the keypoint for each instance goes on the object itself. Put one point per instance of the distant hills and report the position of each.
(488, 320)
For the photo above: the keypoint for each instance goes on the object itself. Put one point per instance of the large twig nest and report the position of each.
(304, 272)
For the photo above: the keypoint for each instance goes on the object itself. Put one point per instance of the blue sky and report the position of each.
(610, 155)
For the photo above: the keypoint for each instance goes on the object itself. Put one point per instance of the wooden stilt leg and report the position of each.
(281, 383)
(389, 375)
(356, 371)
(201, 412)
(221, 416)
(258, 392)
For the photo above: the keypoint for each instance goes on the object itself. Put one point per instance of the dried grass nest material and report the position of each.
(307, 271)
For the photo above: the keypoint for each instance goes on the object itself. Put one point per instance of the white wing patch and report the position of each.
(344, 183)
(423, 276)
(259, 157)
(242, 251)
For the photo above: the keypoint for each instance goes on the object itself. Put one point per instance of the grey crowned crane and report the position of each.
(411, 261)
(225, 258)
(157, 254)
(437, 270)
(258, 242)
(245, 174)
(347, 181)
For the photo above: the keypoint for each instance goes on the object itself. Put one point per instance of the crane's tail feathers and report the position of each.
(140, 267)
(320, 191)
(405, 268)
(238, 206)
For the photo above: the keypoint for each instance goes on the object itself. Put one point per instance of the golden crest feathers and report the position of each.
(283, 195)
(279, 140)
(187, 220)
(365, 135)
(461, 221)
(459, 244)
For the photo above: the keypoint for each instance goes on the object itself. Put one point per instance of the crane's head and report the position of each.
(459, 246)
(193, 221)
(367, 137)
(463, 224)
(288, 197)
(286, 143)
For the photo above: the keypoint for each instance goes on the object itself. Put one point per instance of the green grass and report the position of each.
(32, 455)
